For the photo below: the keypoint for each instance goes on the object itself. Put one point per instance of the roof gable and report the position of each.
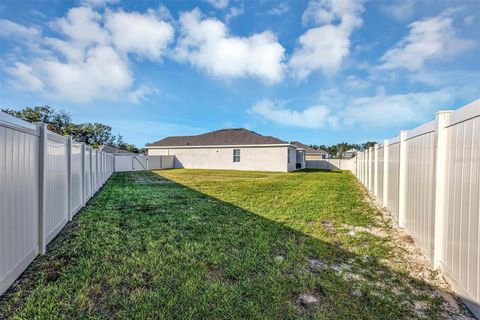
(307, 148)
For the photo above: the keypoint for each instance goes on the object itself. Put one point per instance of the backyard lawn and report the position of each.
(181, 244)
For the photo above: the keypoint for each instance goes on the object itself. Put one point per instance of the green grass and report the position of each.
(184, 244)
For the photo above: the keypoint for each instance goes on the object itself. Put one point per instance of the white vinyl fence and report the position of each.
(429, 180)
(331, 164)
(45, 179)
(140, 162)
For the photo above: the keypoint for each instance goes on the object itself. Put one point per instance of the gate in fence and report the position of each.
(141, 162)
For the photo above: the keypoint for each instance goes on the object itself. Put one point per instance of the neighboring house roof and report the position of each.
(351, 151)
(229, 137)
(307, 148)
(115, 151)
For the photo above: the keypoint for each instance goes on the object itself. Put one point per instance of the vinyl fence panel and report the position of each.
(41, 185)
(393, 178)
(88, 174)
(56, 195)
(331, 164)
(123, 163)
(420, 186)
(379, 176)
(461, 258)
(140, 162)
(76, 194)
(19, 181)
(430, 183)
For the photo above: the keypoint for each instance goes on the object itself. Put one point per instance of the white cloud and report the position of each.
(24, 77)
(9, 28)
(207, 44)
(312, 117)
(337, 110)
(325, 47)
(140, 94)
(327, 11)
(279, 9)
(400, 11)
(82, 26)
(89, 60)
(355, 82)
(428, 39)
(219, 4)
(101, 74)
(234, 12)
(144, 34)
(384, 110)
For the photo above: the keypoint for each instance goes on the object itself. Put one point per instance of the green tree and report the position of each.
(94, 134)
(57, 121)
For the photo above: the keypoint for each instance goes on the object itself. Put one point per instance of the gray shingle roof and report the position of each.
(228, 137)
(307, 148)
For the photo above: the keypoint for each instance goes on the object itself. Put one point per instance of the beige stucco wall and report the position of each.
(251, 158)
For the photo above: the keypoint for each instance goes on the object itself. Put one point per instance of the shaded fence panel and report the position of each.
(41, 187)
(161, 162)
(420, 190)
(18, 198)
(76, 194)
(141, 162)
(462, 209)
(56, 195)
(431, 186)
(94, 171)
(379, 175)
(88, 174)
(393, 164)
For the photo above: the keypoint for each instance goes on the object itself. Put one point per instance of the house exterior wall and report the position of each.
(292, 164)
(218, 157)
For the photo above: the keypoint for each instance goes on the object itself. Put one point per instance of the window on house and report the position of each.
(288, 155)
(236, 155)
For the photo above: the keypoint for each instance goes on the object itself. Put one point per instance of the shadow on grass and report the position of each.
(148, 247)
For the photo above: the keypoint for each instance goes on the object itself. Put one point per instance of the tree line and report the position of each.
(337, 150)
(94, 134)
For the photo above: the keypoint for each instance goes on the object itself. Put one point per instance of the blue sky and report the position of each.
(320, 72)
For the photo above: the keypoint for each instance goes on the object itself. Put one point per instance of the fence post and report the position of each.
(82, 153)
(370, 169)
(90, 158)
(42, 188)
(402, 181)
(69, 169)
(365, 165)
(375, 170)
(386, 155)
(441, 121)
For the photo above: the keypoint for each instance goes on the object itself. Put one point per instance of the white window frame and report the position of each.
(236, 155)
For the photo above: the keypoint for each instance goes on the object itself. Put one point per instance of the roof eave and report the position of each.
(222, 146)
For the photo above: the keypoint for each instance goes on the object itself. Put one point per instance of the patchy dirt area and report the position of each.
(409, 258)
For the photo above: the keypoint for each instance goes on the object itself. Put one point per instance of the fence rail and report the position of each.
(428, 178)
(45, 179)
